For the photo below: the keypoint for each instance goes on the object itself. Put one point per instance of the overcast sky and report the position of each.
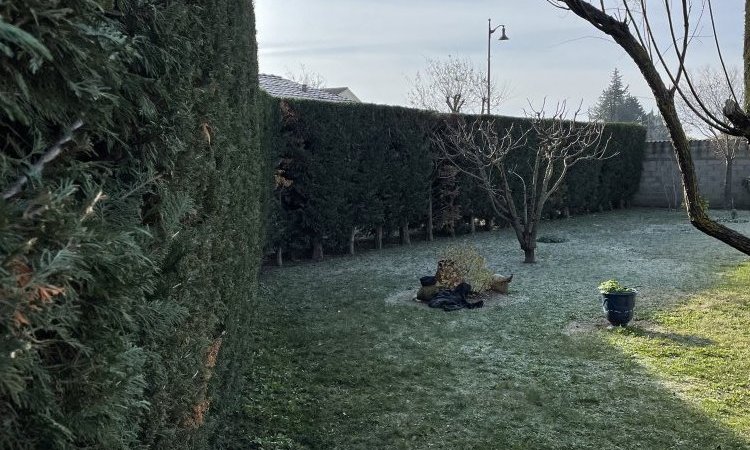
(375, 46)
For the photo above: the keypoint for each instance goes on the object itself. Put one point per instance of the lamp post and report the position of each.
(502, 37)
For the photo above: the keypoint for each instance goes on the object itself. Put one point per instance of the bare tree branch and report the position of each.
(479, 149)
(737, 123)
(453, 85)
(37, 168)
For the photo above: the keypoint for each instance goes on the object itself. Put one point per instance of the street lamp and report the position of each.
(503, 37)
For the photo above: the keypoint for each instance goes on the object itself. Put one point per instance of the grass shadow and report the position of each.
(647, 331)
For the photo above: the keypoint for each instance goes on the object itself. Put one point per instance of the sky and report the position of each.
(375, 47)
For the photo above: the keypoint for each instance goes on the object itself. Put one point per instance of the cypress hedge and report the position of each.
(128, 261)
(350, 166)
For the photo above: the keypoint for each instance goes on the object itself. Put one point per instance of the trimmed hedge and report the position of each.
(127, 265)
(360, 166)
(350, 166)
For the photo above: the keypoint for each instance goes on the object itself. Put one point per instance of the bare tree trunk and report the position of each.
(279, 257)
(430, 237)
(529, 239)
(317, 250)
(351, 241)
(473, 225)
(526, 237)
(728, 183)
(529, 256)
(379, 237)
(664, 97)
(404, 234)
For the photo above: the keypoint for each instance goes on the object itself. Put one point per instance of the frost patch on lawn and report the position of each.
(662, 228)
(407, 298)
(491, 299)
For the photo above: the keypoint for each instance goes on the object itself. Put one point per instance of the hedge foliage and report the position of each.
(351, 166)
(128, 263)
(345, 166)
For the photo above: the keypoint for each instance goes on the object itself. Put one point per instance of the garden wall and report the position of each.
(661, 185)
(360, 172)
(128, 261)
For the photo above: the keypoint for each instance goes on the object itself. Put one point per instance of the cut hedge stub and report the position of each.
(500, 283)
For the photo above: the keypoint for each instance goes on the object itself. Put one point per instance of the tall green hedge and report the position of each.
(363, 166)
(351, 166)
(128, 264)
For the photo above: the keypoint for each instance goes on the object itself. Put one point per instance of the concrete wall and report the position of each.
(661, 185)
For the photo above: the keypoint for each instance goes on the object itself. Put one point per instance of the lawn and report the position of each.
(340, 364)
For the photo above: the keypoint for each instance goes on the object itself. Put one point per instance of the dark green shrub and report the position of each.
(366, 166)
(128, 264)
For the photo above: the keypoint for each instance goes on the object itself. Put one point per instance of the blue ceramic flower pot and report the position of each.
(618, 307)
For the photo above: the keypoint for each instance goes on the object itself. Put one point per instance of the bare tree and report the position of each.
(453, 85)
(628, 22)
(307, 77)
(714, 92)
(478, 149)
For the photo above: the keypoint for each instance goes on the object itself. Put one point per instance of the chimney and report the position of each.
(304, 88)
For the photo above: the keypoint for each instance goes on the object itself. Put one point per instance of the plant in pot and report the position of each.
(618, 302)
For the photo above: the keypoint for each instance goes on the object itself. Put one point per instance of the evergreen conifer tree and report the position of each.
(617, 105)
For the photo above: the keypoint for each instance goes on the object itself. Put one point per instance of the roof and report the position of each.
(283, 88)
(336, 90)
(343, 92)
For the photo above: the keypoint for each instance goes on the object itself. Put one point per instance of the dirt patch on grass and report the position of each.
(490, 299)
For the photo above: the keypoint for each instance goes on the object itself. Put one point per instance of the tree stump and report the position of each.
(500, 283)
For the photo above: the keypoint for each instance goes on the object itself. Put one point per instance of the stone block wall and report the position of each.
(661, 185)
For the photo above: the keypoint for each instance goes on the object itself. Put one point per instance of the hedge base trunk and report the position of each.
(352, 237)
(404, 235)
(317, 251)
(379, 237)
(279, 257)
(430, 237)
(473, 225)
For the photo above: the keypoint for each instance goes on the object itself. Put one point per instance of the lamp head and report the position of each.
(503, 36)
